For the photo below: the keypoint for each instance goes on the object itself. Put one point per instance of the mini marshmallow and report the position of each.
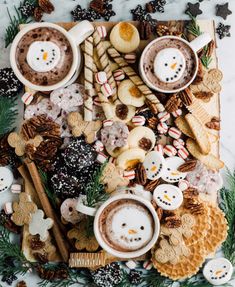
(107, 90)
(8, 208)
(102, 31)
(147, 265)
(101, 78)
(119, 75)
(101, 157)
(163, 116)
(183, 184)
(129, 174)
(97, 102)
(131, 264)
(27, 98)
(159, 148)
(183, 153)
(107, 123)
(169, 150)
(162, 128)
(178, 143)
(174, 133)
(98, 146)
(177, 113)
(130, 58)
(16, 188)
(138, 120)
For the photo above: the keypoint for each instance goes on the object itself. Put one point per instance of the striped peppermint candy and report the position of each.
(179, 143)
(101, 77)
(148, 265)
(8, 208)
(97, 102)
(107, 90)
(174, 133)
(183, 153)
(102, 31)
(118, 75)
(169, 150)
(129, 174)
(159, 148)
(107, 123)
(138, 120)
(162, 128)
(98, 146)
(101, 157)
(130, 58)
(177, 113)
(163, 116)
(27, 98)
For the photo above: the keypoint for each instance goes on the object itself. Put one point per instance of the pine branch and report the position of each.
(8, 114)
(154, 279)
(193, 28)
(95, 190)
(13, 27)
(206, 60)
(228, 206)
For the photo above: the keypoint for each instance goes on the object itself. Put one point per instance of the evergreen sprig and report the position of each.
(8, 114)
(228, 206)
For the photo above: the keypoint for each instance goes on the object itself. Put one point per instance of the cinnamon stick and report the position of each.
(59, 237)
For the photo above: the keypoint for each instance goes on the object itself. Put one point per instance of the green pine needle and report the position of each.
(206, 60)
(228, 206)
(13, 28)
(8, 115)
(193, 28)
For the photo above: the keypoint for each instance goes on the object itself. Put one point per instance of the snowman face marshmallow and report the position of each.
(131, 227)
(168, 196)
(154, 164)
(218, 271)
(171, 173)
(43, 56)
(169, 65)
(6, 178)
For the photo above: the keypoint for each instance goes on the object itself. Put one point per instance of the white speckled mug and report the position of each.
(169, 64)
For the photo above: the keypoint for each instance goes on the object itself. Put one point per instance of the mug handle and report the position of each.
(82, 208)
(198, 43)
(81, 31)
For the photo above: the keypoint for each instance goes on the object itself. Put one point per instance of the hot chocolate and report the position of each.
(126, 225)
(44, 56)
(169, 64)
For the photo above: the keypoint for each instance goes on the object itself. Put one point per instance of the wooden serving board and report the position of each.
(212, 107)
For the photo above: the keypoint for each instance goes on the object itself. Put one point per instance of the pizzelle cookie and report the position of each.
(209, 160)
(199, 133)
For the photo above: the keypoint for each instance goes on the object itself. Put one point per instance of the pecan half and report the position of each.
(173, 221)
(152, 184)
(205, 96)
(140, 174)
(145, 144)
(37, 14)
(159, 213)
(186, 97)
(173, 103)
(214, 124)
(46, 6)
(194, 206)
(21, 284)
(121, 111)
(36, 244)
(152, 123)
(187, 166)
(191, 192)
(152, 106)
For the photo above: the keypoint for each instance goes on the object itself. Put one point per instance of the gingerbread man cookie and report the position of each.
(17, 141)
(23, 210)
(79, 127)
(112, 177)
(39, 225)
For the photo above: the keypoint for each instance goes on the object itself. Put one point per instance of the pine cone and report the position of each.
(186, 97)
(38, 13)
(191, 192)
(152, 123)
(41, 257)
(21, 284)
(152, 184)
(44, 273)
(194, 206)
(140, 174)
(46, 6)
(173, 103)
(187, 166)
(173, 221)
(98, 6)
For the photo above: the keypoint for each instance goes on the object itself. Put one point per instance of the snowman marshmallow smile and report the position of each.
(43, 56)
(169, 65)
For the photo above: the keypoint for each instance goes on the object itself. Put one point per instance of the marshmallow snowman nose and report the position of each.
(218, 272)
(45, 56)
(175, 173)
(132, 231)
(167, 197)
(154, 168)
(173, 66)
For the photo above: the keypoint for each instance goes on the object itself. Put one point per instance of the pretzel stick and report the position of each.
(129, 71)
(88, 74)
(58, 235)
(104, 61)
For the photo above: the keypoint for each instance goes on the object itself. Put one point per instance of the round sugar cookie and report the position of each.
(6, 178)
(168, 196)
(154, 164)
(171, 173)
(218, 271)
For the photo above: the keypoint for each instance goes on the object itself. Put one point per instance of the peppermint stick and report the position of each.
(104, 62)
(88, 75)
(129, 71)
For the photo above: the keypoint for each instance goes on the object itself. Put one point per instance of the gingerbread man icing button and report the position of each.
(218, 271)
(168, 196)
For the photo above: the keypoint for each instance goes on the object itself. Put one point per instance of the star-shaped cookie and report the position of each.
(223, 11)
(193, 9)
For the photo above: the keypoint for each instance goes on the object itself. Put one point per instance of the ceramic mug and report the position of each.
(196, 45)
(75, 37)
(134, 253)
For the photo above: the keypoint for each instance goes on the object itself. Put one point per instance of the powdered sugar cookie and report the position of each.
(69, 212)
(171, 173)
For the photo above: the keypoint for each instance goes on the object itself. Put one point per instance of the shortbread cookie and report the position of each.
(209, 160)
(182, 125)
(125, 37)
(142, 137)
(199, 133)
(130, 158)
(129, 94)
